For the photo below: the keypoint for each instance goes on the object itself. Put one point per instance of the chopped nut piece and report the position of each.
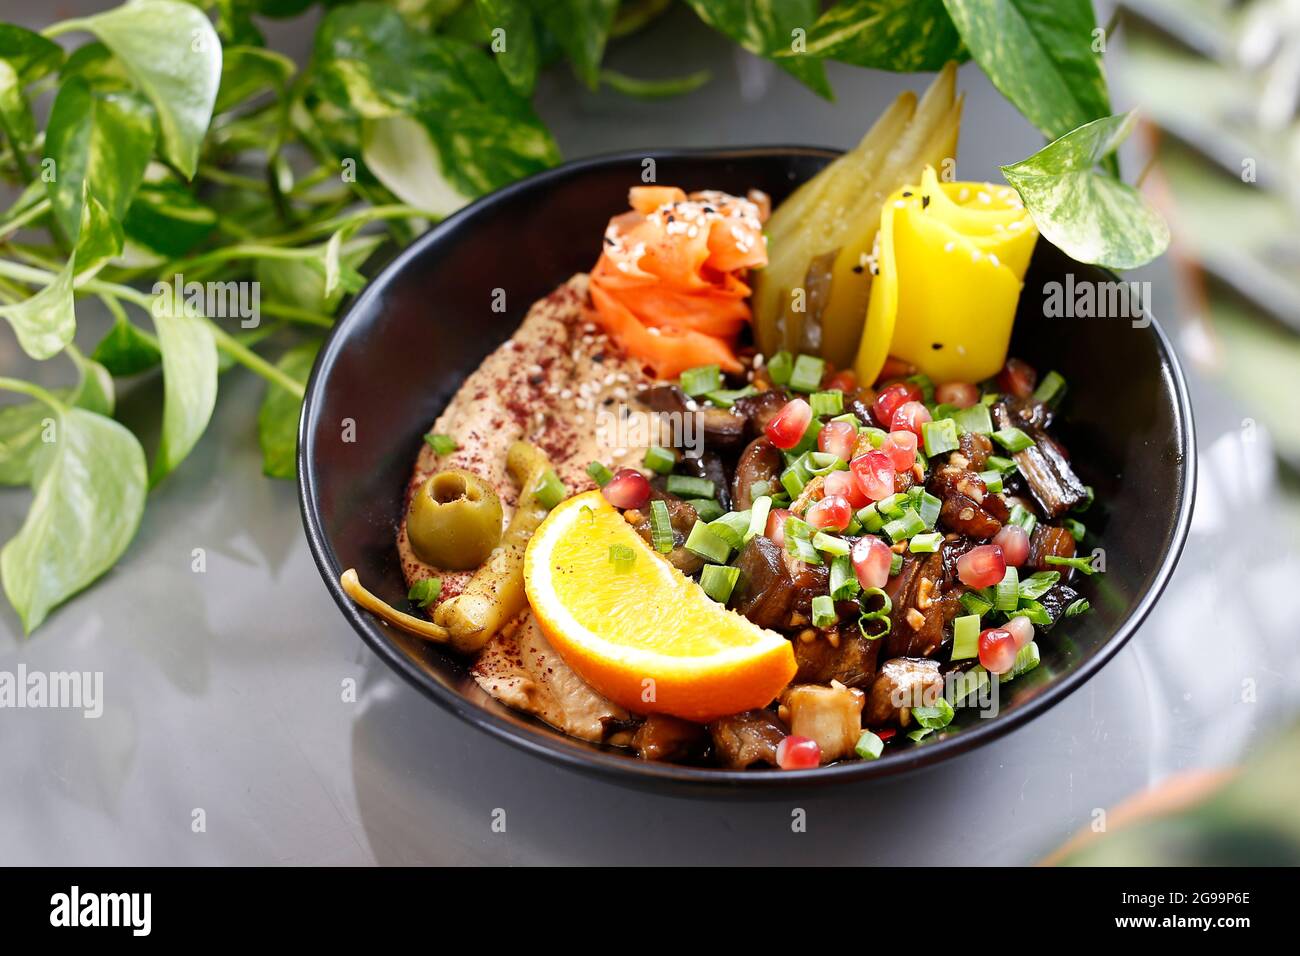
(915, 619)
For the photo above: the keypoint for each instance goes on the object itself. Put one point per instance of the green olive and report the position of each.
(454, 521)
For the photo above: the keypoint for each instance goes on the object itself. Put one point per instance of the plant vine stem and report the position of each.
(231, 346)
(295, 314)
(23, 218)
(32, 390)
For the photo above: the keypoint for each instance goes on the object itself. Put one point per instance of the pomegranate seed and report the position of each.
(627, 489)
(890, 397)
(843, 483)
(909, 417)
(798, 753)
(871, 560)
(1021, 628)
(838, 439)
(787, 427)
(1014, 543)
(1017, 378)
(776, 526)
(844, 380)
(961, 394)
(901, 449)
(982, 567)
(885, 733)
(875, 474)
(832, 513)
(997, 650)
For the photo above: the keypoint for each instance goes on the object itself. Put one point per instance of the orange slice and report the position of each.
(644, 635)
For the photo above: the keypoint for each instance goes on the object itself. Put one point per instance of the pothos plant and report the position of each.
(179, 152)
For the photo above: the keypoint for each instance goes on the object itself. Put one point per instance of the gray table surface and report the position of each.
(224, 689)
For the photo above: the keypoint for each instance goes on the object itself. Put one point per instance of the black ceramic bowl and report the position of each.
(404, 347)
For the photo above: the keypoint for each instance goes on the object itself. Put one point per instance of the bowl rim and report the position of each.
(549, 743)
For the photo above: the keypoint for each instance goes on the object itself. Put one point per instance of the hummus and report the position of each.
(561, 384)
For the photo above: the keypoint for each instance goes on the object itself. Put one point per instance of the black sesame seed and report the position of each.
(925, 201)
(906, 194)
(936, 345)
(857, 268)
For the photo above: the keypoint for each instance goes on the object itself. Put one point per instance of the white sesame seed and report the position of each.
(994, 259)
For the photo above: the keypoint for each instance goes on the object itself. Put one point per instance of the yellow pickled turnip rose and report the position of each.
(951, 260)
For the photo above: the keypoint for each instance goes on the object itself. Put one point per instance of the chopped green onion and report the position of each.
(844, 582)
(930, 508)
(934, 718)
(964, 683)
(661, 527)
(425, 592)
(797, 528)
(758, 517)
(823, 463)
(1082, 565)
(945, 410)
(1076, 528)
(919, 734)
(809, 440)
(925, 384)
(1038, 584)
(803, 549)
(902, 528)
(827, 403)
(869, 746)
(875, 435)
(703, 378)
(718, 580)
(793, 482)
(880, 614)
(600, 474)
(1081, 606)
(974, 419)
(850, 418)
(891, 506)
(660, 460)
(1035, 612)
(549, 491)
(1006, 594)
(966, 637)
(1051, 389)
(1004, 465)
(1026, 660)
(895, 564)
(779, 367)
(992, 481)
(706, 509)
(703, 542)
(622, 557)
(442, 444)
(731, 527)
(823, 611)
(727, 397)
(830, 544)
(807, 374)
(1020, 515)
(1086, 503)
(1012, 439)
(976, 602)
(940, 436)
(990, 398)
(688, 486)
(925, 543)
(870, 519)
(757, 489)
